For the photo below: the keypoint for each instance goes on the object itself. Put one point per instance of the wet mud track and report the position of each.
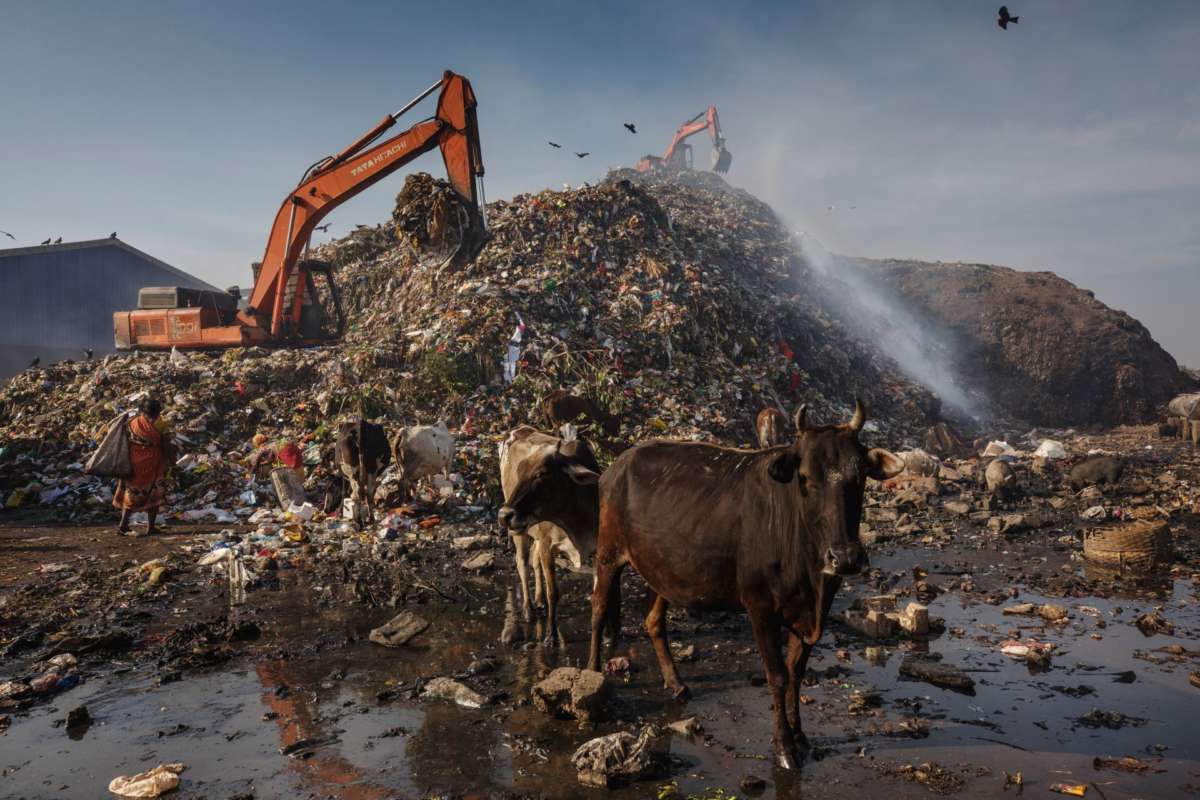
(312, 683)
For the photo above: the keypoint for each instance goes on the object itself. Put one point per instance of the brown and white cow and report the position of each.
(422, 451)
(768, 531)
(550, 496)
(362, 453)
(771, 427)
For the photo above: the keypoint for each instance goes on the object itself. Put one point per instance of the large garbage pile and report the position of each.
(1040, 348)
(676, 303)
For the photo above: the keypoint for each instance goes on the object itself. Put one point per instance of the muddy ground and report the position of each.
(170, 672)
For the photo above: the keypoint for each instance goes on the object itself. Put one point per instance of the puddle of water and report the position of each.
(315, 677)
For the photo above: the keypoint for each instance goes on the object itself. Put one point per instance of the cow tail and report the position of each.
(362, 461)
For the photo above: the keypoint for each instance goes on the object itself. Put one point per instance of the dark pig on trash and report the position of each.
(1001, 480)
(1096, 470)
(768, 531)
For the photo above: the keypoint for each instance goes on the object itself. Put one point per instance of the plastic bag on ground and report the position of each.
(151, 783)
(1050, 449)
(998, 448)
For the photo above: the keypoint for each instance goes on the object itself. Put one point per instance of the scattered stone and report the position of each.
(1053, 613)
(872, 624)
(1113, 720)
(753, 785)
(399, 630)
(477, 542)
(957, 507)
(914, 620)
(1021, 608)
(480, 562)
(574, 693)
(450, 689)
(935, 672)
(688, 728)
(1154, 623)
(78, 717)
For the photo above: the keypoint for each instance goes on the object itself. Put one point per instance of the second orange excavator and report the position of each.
(283, 307)
(679, 154)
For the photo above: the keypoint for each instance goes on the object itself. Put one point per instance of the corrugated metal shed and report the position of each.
(56, 300)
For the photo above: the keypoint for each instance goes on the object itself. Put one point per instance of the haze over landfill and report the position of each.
(704, 457)
(1071, 147)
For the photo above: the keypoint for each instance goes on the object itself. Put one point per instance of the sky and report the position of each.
(1070, 142)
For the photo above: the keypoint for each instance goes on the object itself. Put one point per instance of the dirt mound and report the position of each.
(1040, 348)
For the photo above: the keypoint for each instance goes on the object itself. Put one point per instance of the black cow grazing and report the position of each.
(561, 407)
(362, 453)
(768, 531)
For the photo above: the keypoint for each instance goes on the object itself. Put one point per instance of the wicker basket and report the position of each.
(1135, 546)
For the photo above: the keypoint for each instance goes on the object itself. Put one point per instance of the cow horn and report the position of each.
(860, 415)
(801, 413)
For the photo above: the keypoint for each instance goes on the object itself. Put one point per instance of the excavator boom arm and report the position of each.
(693, 126)
(334, 180)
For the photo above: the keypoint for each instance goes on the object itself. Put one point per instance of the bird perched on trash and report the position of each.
(9, 235)
(324, 227)
(631, 127)
(58, 240)
(36, 360)
(555, 144)
(112, 235)
(1006, 18)
(47, 240)
(89, 352)
(583, 155)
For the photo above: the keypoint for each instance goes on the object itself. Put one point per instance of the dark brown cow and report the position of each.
(771, 427)
(362, 452)
(769, 531)
(561, 406)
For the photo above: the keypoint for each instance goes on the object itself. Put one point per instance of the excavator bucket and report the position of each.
(722, 159)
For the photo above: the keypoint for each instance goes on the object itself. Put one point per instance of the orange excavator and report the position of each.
(679, 154)
(283, 307)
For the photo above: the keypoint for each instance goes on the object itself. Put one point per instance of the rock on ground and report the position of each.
(399, 630)
(578, 693)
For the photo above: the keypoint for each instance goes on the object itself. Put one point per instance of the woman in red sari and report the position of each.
(149, 448)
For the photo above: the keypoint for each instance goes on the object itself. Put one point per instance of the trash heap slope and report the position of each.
(1042, 349)
(677, 303)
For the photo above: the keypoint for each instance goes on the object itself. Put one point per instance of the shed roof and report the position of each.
(49, 249)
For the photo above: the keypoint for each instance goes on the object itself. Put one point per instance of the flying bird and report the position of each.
(1006, 18)
(583, 155)
(631, 127)
(47, 240)
(36, 360)
(324, 227)
(58, 240)
(9, 235)
(555, 144)
(89, 352)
